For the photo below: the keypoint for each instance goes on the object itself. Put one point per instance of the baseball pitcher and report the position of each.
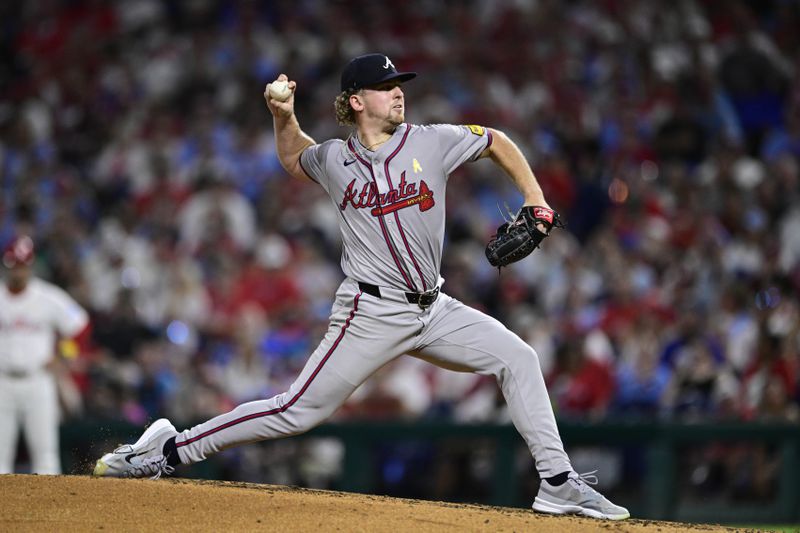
(387, 181)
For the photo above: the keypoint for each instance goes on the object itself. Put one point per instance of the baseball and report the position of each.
(279, 90)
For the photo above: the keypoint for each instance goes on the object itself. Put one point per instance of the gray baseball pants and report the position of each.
(365, 333)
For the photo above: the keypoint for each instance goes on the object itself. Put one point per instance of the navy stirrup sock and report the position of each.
(170, 451)
(555, 481)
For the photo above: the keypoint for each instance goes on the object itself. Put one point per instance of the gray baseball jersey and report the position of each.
(391, 205)
(391, 202)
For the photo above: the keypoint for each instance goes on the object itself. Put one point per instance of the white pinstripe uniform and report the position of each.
(391, 214)
(29, 324)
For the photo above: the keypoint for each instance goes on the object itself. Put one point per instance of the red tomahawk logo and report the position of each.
(424, 200)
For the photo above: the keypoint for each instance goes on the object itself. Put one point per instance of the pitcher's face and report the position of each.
(384, 102)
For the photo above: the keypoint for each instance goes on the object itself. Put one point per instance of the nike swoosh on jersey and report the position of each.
(348, 163)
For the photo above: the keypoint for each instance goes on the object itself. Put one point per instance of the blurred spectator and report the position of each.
(583, 384)
(640, 377)
(216, 218)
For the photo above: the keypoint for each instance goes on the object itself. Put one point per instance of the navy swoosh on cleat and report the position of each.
(348, 163)
(132, 455)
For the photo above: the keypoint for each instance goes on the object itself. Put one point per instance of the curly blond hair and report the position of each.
(345, 115)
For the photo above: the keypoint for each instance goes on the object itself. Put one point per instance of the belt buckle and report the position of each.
(426, 299)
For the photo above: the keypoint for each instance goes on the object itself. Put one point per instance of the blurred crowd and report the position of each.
(136, 149)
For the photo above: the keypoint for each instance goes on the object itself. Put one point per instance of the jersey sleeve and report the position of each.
(313, 161)
(459, 144)
(69, 317)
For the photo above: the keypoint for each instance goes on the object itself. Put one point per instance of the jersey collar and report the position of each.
(358, 149)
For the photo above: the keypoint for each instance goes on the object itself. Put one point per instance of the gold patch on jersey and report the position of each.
(417, 166)
(477, 130)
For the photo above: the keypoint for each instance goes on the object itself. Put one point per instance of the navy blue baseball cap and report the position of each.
(371, 69)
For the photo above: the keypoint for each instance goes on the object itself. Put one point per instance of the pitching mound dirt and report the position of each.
(80, 503)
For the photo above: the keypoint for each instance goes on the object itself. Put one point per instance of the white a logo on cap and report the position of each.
(388, 63)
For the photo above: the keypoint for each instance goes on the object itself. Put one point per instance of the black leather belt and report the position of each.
(423, 299)
(16, 374)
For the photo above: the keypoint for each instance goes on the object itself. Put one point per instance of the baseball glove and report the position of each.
(518, 237)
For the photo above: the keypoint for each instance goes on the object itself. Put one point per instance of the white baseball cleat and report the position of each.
(575, 496)
(145, 458)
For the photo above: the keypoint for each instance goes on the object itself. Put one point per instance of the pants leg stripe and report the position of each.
(296, 396)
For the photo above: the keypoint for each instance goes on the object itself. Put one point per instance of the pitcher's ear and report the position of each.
(356, 102)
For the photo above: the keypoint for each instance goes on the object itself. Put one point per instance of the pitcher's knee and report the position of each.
(535, 361)
(523, 356)
(522, 360)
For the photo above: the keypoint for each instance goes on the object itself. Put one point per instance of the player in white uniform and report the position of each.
(387, 181)
(33, 315)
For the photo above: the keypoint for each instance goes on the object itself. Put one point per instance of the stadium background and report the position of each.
(135, 147)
